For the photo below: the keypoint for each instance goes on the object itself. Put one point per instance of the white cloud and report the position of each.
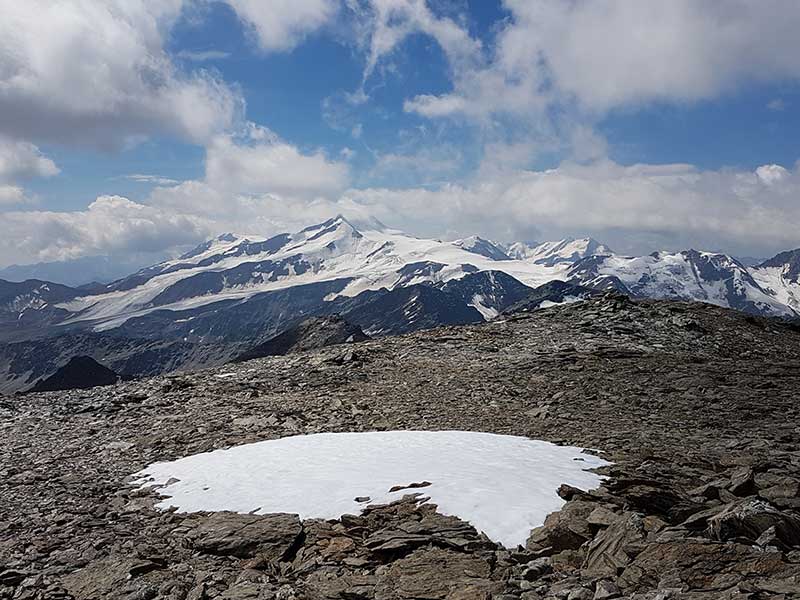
(11, 195)
(282, 24)
(385, 24)
(258, 183)
(21, 160)
(109, 224)
(596, 56)
(777, 104)
(260, 162)
(202, 55)
(772, 174)
(96, 72)
(634, 208)
(152, 179)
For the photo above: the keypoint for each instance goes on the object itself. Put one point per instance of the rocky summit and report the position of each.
(695, 406)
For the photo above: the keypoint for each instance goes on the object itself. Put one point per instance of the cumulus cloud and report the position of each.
(601, 55)
(260, 162)
(11, 195)
(21, 160)
(385, 24)
(637, 208)
(282, 24)
(96, 72)
(253, 169)
(772, 174)
(18, 161)
(109, 224)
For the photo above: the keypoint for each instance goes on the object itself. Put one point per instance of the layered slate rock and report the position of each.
(271, 537)
(80, 373)
(310, 334)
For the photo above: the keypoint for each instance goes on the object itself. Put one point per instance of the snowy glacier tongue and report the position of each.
(503, 485)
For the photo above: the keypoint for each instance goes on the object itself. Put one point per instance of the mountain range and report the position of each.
(234, 292)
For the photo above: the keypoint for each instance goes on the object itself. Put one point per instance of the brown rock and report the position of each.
(245, 536)
(748, 519)
(614, 548)
(698, 564)
(567, 529)
(434, 574)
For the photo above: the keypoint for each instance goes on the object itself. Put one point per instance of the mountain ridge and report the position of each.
(234, 292)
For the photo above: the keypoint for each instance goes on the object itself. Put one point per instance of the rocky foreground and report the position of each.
(697, 406)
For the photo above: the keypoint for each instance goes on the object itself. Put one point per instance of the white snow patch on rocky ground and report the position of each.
(503, 485)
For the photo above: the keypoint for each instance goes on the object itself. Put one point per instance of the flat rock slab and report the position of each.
(245, 536)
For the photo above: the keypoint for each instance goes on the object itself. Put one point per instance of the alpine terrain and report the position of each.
(252, 480)
(235, 292)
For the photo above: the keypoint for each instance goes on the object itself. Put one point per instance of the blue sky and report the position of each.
(135, 126)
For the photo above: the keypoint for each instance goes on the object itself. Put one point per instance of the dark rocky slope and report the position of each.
(552, 292)
(80, 373)
(696, 405)
(309, 334)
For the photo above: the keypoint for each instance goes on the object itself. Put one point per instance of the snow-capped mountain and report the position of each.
(688, 275)
(234, 292)
(349, 261)
(780, 278)
(551, 254)
(486, 248)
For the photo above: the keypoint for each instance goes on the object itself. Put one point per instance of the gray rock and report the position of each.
(606, 590)
(245, 536)
(749, 519)
(614, 548)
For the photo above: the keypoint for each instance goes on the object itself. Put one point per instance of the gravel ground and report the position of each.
(697, 407)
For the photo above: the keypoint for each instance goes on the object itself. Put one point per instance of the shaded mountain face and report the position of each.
(471, 299)
(488, 292)
(550, 294)
(29, 308)
(309, 334)
(80, 373)
(487, 248)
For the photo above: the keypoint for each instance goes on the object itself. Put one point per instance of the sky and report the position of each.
(137, 128)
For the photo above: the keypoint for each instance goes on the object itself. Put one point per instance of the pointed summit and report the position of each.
(483, 247)
(338, 225)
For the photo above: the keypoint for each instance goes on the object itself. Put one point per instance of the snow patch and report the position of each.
(487, 312)
(565, 300)
(503, 485)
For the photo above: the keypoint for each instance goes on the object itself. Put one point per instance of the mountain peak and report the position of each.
(483, 247)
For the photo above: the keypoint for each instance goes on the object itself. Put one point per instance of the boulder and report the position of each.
(567, 529)
(749, 519)
(437, 574)
(245, 536)
(614, 547)
(696, 564)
